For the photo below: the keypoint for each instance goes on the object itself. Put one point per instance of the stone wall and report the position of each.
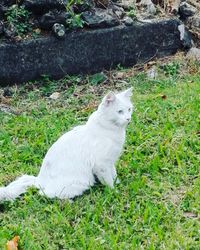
(89, 51)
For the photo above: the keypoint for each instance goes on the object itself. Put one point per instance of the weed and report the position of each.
(97, 78)
(75, 21)
(171, 69)
(18, 19)
(131, 13)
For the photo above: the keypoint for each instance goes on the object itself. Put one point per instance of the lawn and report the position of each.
(157, 203)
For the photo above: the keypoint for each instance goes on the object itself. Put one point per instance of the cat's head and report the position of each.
(117, 108)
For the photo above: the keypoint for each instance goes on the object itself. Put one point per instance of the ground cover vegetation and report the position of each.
(157, 203)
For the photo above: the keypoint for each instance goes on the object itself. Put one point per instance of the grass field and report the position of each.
(157, 203)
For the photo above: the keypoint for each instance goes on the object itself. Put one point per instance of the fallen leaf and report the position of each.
(12, 244)
(189, 215)
(5, 100)
(120, 75)
(37, 31)
(163, 97)
(151, 63)
(18, 38)
(55, 95)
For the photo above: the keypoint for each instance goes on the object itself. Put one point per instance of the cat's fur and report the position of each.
(72, 162)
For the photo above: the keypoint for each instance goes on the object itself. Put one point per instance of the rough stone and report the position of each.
(1, 27)
(194, 54)
(194, 21)
(118, 11)
(149, 6)
(186, 10)
(3, 9)
(193, 24)
(7, 92)
(43, 6)
(103, 4)
(185, 36)
(10, 32)
(127, 4)
(152, 73)
(59, 30)
(4, 4)
(47, 20)
(7, 2)
(88, 51)
(84, 6)
(128, 21)
(99, 18)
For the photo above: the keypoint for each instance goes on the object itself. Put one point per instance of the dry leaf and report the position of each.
(12, 244)
(163, 97)
(55, 95)
(37, 31)
(172, 6)
(5, 100)
(189, 215)
(120, 75)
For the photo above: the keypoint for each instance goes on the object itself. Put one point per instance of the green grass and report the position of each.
(157, 203)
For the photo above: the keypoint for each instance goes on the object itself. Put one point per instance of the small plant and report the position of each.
(97, 78)
(75, 21)
(131, 13)
(18, 19)
(171, 69)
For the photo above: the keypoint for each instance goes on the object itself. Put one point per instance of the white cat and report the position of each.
(72, 162)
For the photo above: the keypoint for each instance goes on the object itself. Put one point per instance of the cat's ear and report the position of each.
(127, 93)
(109, 98)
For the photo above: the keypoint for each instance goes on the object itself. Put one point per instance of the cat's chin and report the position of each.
(121, 125)
(125, 124)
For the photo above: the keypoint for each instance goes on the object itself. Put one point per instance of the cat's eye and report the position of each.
(129, 110)
(120, 112)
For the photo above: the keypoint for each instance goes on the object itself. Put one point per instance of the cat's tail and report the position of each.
(17, 187)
